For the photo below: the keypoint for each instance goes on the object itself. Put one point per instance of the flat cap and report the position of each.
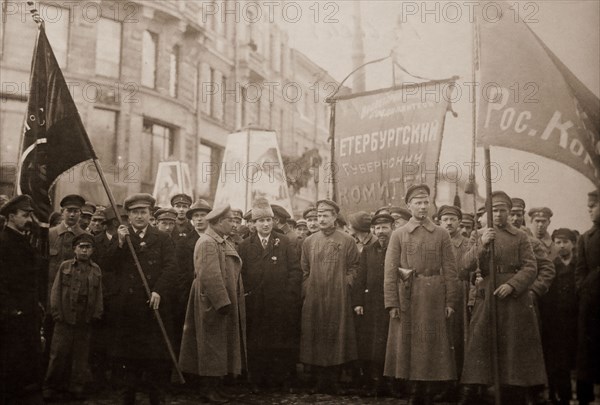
(280, 212)
(21, 202)
(417, 190)
(72, 200)
(84, 238)
(518, 203)
(449, 210)
(109, 213)
(328, 205)
(382, 219)
(301, 222)
(309, 212)
(88, 208)
(291, 222)
(99, 215)
(168, 214)
(593, 197)
(361, 221)
(181, 198)
(400, 212)
(383, 210)
(237, 213)
(564, 233)
(543, 212)
(501, 198)
(139, 200)
(481, 211)
(199, 205)
(218, 212)
(467, 218)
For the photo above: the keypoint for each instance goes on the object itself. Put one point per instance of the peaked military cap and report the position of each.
(449, 210)
(417, 190)
(543, 212)
(140, 200)
(72, 200)
(83, 238)
(181, 198)
(168, 214)
(21, 202)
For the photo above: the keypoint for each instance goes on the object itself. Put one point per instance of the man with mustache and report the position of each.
(420, 294)
(20, 314)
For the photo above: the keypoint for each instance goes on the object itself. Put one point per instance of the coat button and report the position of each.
(149, 276)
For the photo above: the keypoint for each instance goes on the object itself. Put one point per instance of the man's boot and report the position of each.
(416, 393)
(469, 395)
(128, 397)
(212, 393)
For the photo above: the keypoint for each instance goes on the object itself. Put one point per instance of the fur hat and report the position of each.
(261, 208)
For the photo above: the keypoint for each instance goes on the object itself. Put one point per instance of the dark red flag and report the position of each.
(54, 139)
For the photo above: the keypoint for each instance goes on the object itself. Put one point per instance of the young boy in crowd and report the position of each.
(75, 300)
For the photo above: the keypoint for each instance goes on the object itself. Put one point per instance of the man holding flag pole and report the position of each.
(54, 140)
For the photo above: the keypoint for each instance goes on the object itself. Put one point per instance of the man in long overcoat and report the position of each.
(329, 263)
(587, 278)
(368, 303)
(213, 343)
(521, 362)
(272, 281)
(139, 344)
(420, 292)
(20, 313)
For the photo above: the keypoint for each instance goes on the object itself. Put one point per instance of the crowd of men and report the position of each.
(390, 303)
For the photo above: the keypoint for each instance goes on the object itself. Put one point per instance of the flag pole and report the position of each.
(476, 56)
(138, 266)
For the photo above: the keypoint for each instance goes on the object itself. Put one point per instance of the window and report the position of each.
(12, 114)
(108, 47)
(103, 135)
(57, 31)
(206, 79)
(160, 147)
(174, 71)
(149, 57)
(217, 99)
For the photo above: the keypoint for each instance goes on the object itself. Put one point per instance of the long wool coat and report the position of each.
(138, 335)
(329, 265)
(20, 317)
(418, 346)
(368, 292)
(587, 278)
(272, 281)
(214, 344)
(521, 361)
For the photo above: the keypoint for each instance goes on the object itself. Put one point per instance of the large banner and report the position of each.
(252, 167)
(529, 100)
(387, 140)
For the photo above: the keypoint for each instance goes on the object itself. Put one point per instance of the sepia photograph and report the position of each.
(300, 202)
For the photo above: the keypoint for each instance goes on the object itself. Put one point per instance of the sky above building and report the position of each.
(433, 40)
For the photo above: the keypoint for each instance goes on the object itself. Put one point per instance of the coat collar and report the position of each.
(211, 232)
(546, 240)
(413, 224)
(509, 228)
(457, 240)
(62, 228)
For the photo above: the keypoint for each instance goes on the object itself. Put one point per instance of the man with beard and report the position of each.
(559, 307)
(185, 258)
(368, 304)
(450, 219)
(140, 349)
(20, 312)
(520, 357)
(420, 293)
(272, 278)
(330, 262)
(587, 278)
(540, 220)
(310, 215)
(181, 203)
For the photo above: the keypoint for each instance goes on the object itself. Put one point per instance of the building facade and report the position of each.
(165, 81)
